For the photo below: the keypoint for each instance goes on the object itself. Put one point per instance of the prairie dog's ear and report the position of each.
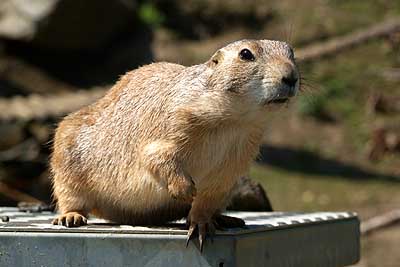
(215, 59)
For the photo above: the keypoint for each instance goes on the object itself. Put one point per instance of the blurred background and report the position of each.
(336, 147)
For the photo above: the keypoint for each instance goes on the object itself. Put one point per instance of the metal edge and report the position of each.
(179, 232)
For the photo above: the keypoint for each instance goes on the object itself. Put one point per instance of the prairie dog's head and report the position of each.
(256, 73)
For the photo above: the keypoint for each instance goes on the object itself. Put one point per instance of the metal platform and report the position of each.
(277, 239)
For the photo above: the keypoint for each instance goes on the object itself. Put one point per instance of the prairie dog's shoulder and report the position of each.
(147, 78)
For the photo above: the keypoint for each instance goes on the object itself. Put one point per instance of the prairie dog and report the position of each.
(169, 141)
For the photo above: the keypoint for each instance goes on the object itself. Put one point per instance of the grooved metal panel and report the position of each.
(278, 239)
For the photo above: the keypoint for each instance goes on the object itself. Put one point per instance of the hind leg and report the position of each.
(73, 204)
(73, 211)
(71, 219)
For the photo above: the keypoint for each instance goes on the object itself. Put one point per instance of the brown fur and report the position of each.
(168, 141)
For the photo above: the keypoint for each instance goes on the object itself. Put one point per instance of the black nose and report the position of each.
(290, 79)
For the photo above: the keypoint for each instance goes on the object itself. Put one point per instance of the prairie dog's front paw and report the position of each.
(182, 189)
(200, 224)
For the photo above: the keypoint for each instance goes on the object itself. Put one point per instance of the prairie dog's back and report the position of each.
(135, 108)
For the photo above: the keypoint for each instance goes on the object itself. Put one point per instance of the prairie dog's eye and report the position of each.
(245, 54)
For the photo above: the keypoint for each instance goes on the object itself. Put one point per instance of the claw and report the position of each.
(190, 234)
(211, 230)
(201, 239)
(61, 221)
(69, 221)
(202, 235)
(204, 230)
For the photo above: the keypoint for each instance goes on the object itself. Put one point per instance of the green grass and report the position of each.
(293, 191)
(151, 15)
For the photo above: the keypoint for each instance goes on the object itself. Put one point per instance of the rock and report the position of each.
(249, 196)
(20, 20)
(63, 24)
(70, 45)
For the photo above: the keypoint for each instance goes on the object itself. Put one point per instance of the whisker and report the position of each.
(309, 88)
(290, 30)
